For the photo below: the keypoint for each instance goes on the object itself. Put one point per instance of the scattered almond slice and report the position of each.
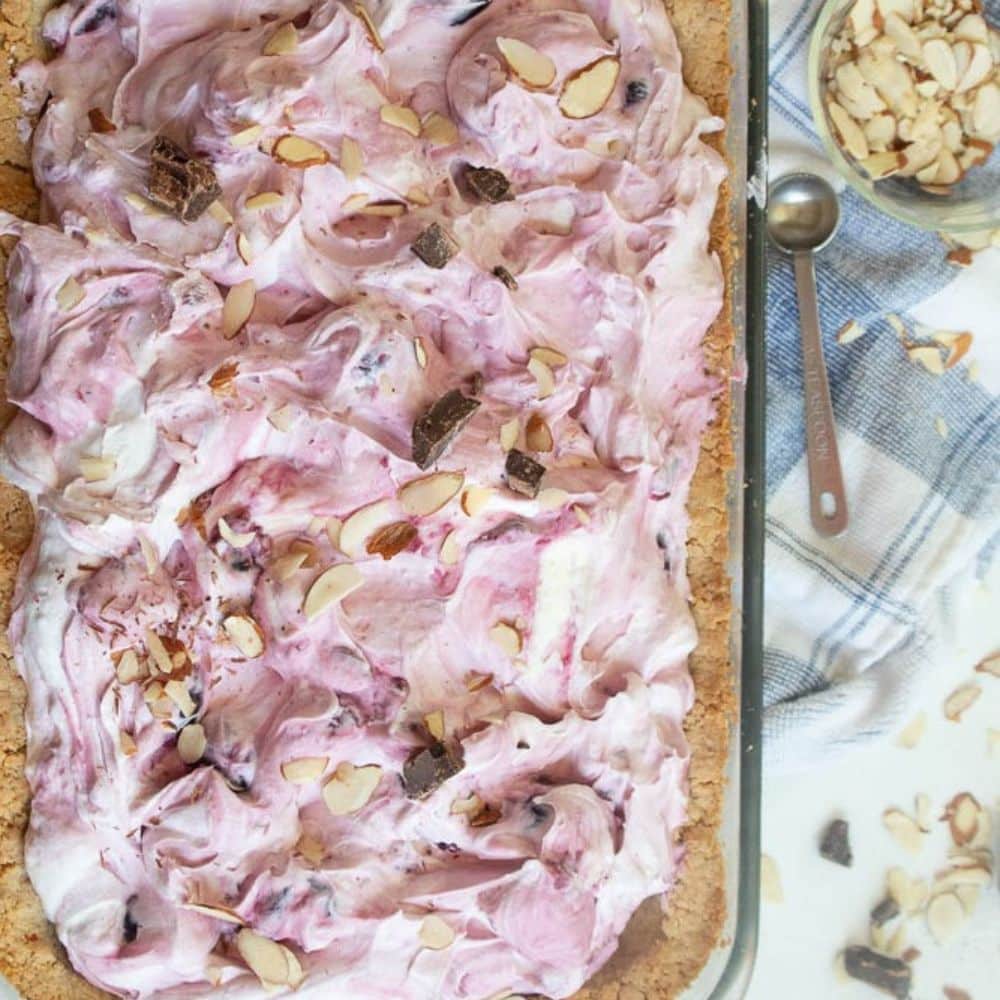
(904, 830)
(391, 539)
(420, 352)
(158, 652)
(450, 553)
(312, 850)
(543, 377)
(243, 248)
(70, 294)
(282, 42)
(469, 804)
(354, 532)
(435, 933)
(434, 724)
(581, 514)
(330, 587)
(352, 159)
(538, 437)
(908, 893)
(548, 356)
(850, 332)
(143, 206)
(439, 130)
(128, 669)
(945, 915)
(989, 665)
(530, 66)
(963, 814)
(237, 539)
(237, 307)
(913, 732)
(263, 201)
(354, 202)
(304, 770)
(246, 136)
(587, 92)
(957, 345)
(220, 213)
(960, 700)
(266, 958)
(429, 494)
(178, 693)
(922, 805)
(370, 27)
(245, 634)
(215, 912)
(294, 151)
(402, 117)
(475, 499)
(552, 498)
(476, 681)
(418, 196)
(849, 131)
(281, 418)
(770, 880)
(509, 433)
(286, 566)
(223, 378)
(351, 787)
(384, 209)
(191, 743)
(97, 470)
(507, 638)
(929, 357)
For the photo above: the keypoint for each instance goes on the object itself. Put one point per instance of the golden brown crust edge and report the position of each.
(657, 957)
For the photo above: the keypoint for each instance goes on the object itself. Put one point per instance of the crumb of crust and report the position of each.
(656, 957)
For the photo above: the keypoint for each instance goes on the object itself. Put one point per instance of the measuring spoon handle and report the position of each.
(827, 501)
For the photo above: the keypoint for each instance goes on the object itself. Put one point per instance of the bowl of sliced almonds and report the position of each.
(906, 98)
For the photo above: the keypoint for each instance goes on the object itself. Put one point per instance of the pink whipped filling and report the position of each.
(576, 739)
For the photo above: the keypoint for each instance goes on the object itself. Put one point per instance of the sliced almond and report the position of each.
(354, 203)
(904, 36)
(928, 357)
(246, 136)
(304, 770)
(912, 732)
(848, 131)
(548, 356)
(70, 294)
(400, 116)
(979, 68)
(939, 57)
(450, 552)
(237, 539)
(330, 587)
(507, 638)
(850, 332)
(439, 130)
(178, 693)
(544, 377)
(390, 540)
(143, 205)
(957, 345)
(158, 652)
(986, 112)
(587, 92)
(989, 665)
(263, 201)
(960, 700)
(237, 307)
(286, 566)
(351, 788)
(355, 531)
(97, 469)
(945, 915)
(552, 498)
(908, 893)
(352, 159)
(476, 681)
(370, 27)
(475, 499)
(386, 209)
(282, 42)
(904, 830)
(215, 912)
(245, 634)
(418, 196)
(922, 805)
(466, 805)
(311, 849)
(420, 352)
(770, 880)
(434, 724)
(537, 435)
(429, 494)
(220, 213)
(581, 514)
(963, 814)
(881, 165)
(281, 418)
(530, 66)
(191, 743)
(294, 151)
(243, 248)
(266, 958)
(509, 433)
(435, 933)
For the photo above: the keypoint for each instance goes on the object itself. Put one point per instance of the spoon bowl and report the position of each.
(802, 213)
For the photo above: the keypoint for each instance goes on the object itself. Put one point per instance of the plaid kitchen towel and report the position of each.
(846, 646)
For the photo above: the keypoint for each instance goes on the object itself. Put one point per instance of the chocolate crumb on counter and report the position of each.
(523, 473)
(438, 426)
(885, 911)
(434, 246)
(486, 184)
(429, 768)
(891, 975)
(505, 276)
(180, 184)
(835, 845)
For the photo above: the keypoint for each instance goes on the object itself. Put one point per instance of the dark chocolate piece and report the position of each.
(178, 183)
(891, 975)
(430, 768)
(835, 845)
(505, 276)
(105, 12)
(436, 429)
(476, 7)
(434, 246)
(635, 92)
(130, 926)
(487, 184)
(885, 911)
(524, 474)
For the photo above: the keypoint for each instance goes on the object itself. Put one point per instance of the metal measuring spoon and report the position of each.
(802, 216)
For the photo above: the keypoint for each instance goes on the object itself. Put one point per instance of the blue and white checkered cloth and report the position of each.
(846, 644)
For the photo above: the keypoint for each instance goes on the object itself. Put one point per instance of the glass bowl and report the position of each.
(971, 204)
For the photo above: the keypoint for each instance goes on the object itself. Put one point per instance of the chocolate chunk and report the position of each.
(891, 975)
(635, 92)
(430, 768)
(102, 14)
(835, 846)
(434, 246)
(524, 474)
(436, 429)
(486, 184)
(130, 927)
(474, 8)
(885, 911)
(505, 276)
(178, 183)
